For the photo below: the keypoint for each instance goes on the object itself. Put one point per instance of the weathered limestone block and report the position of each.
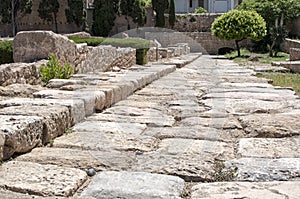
(269, 147)
(265, 169)
(36, 45)
(134, 185)
(22, 133)
(294, 54)
(23, 73)
(231, 190)
(75, 106)
(43, 180)
(56, 119)
(2, 142)
(193, 160)
(58, 83)
(81, 159)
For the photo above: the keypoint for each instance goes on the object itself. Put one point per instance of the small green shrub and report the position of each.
(141, 56)
(54, 70)
(192, 19)
(200, 10)
(6, 52)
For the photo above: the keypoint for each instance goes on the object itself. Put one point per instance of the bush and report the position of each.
(53, 70)
(141, 45)
(238, 25)
(6, 52)
(200, 10)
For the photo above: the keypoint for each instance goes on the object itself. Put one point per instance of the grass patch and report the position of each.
(284, 80)
(6, 52)
(141, 45)
(263, 58)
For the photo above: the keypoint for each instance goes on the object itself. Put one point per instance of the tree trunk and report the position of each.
(13, 21)
(238, 47)
(55, 22)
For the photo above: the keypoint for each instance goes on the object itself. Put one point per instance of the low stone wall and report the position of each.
(193, 22)
(35, 45)
(20, 73)
(179, 49)
(294, 54)
(289, 43)
(104, 58)
(197, 41)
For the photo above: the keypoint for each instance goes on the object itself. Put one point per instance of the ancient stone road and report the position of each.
(208, 130)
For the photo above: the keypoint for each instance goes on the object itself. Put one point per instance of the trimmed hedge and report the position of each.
(142, 46)
(6, 52)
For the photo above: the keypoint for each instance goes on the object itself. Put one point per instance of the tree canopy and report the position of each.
(10, 9)
(48, 10)
(238, 25)
(160, 7)
(76, 12)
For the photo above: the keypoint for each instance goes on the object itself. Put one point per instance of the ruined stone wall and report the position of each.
(179, 49)
(294, 54)
(198, 41)
(193, 22)
(289, 43)
(20, 73)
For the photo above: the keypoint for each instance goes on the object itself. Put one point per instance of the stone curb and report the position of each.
(89, 93)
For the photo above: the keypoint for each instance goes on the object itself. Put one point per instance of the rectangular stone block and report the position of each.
(2, 141)
(294, 54)
(43, 180)
(22, 133)
(56, 119)
(75, 106)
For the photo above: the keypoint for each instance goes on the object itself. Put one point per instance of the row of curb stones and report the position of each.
(27, 123)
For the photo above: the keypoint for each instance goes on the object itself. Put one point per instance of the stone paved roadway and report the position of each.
(208, 130)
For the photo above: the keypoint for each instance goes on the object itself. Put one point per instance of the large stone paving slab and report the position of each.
(22, 133)
(193, 160)
(134, 185)
(269, 147)
(56, 119)
(82, 159)
(264, 169)
(43, 180)
(97, 135)
(247, 190)
(75, 106)
(271, 125)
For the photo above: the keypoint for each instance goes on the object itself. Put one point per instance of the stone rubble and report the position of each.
(176, 137)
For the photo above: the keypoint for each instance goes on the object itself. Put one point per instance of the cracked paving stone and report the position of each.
(264, 169)
(193, 160)
(95, 135)
(249, 190)
(82, 159)
(134, 185)
(43, 180)
(269, 147)
(271, 125)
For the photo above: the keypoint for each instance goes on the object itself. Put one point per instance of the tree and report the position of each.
(238, 25)
(104, 16)
(276, 14)
(172, 16)
(134, 9)
(160, 6)
(48, 10)
(11, 10)
(76, 12)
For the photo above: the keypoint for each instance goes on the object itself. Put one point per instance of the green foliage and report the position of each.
(141, 56)
(200, 10)
(273, 11)
(10, 10)
(6, 52)
(172, 16)
(75, 13)
(48, 10)
(91, 41)
(238, 25)
(54, 70)
(192, 19)
(134, 9)
(104, 16)
(160, 7)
